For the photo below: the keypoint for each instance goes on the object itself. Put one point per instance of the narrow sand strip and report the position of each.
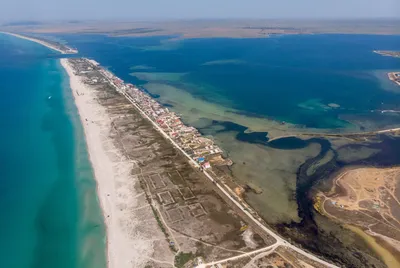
(125, 244)
(43, 43)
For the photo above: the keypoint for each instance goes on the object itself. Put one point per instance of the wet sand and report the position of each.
(385, 254)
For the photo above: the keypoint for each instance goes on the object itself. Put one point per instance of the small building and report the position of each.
(206, 165)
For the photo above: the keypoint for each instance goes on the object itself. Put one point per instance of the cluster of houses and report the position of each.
(201, 149)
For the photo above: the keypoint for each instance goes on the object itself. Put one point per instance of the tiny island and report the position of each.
(388, 53)
(393, 76)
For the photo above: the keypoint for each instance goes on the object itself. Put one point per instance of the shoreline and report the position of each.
(42, 42)
(125, 245)
(105, 205)
(94, 119)
(388, 53)
(91, 145)
(386, 255)
(342, 191)
(36, 41)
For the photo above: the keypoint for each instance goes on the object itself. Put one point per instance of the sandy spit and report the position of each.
(36, 41)
(124, 247)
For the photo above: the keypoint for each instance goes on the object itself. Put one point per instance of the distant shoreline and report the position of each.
(388, 53)
(44, 43)
(213, 27)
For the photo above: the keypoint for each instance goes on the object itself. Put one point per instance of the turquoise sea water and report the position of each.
(50, 214)
(286, 78)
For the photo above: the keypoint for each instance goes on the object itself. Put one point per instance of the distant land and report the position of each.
(395, 54)
(235, 28)
(393, 76)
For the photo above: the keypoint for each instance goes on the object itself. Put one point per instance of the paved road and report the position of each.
(280, 240)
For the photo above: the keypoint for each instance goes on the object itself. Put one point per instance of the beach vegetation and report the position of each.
(158, 219)
(182, 258)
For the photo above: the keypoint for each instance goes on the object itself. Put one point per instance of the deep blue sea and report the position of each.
(288, 78)
(50, 214)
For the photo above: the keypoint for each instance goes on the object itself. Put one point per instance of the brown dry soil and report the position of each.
(369, 199)
(230, 28)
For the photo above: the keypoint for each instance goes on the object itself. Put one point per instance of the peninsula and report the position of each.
(166, 199)
(63, 49)
(388, 53)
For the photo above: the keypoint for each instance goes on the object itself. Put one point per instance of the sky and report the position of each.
(195, 9)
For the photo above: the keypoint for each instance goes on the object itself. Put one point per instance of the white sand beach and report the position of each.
(131, 226)
(36, 41)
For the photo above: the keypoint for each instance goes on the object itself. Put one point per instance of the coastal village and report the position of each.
(199, 148)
